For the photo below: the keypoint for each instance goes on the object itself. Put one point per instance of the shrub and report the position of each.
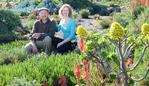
(84, 13)
(134, 24)
(96, 8)
(23, 13)
(6, 37)
(75, 16)
(9, 55)
(24, 7)
(56, 18)
(96, 16)
(138, 10)
(124, 21)
(105, 23)
(9, 21)
(78, 4)
(1, 5)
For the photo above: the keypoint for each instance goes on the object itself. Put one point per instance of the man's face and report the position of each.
(43, 14)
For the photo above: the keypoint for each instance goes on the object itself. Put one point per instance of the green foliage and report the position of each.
(24, 82)
(1, 5)
(124, 21)
(9, 21)
(144, 83)
(9, 55)
(7, 37)
(134, 25)
(75, 16)
(97, 8)
(105, 23)
(113, 76)
(41, 68)
(56, 18)
(138, 10)
(78, 4)
(24, 7)
(30, 23)
(32, 17)
(84, 13)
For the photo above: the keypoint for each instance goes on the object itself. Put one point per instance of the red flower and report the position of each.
(81, 44)
(62, 81)
(44, 83)
(129, 61)
(77, 71)
(85, 75)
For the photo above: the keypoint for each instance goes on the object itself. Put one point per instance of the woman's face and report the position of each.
(65, 12)
(43, 14)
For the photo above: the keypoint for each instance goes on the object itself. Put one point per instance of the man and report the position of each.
(42, 33)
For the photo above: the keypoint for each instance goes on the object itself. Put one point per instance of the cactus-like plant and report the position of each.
(124, 49)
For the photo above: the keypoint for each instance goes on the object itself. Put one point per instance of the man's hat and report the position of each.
(43, 8)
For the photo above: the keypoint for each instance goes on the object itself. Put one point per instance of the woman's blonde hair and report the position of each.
(61, 9)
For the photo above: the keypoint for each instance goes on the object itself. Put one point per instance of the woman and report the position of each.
(68, 26)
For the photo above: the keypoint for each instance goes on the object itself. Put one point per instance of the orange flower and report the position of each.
(86, 64)
(142, 2)
(81, 44)
(85, 75)
(147, 3)
(77, 71)
(85, 61)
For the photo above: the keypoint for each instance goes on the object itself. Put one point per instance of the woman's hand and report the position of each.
(59, 44)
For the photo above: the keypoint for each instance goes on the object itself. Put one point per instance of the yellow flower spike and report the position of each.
(82, 32)
(145, 29)
(116, 31)
(146, 37)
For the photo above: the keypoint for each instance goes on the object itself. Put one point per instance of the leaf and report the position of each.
(113, 76)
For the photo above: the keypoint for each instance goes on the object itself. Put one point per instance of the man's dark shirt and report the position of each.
(48, 28)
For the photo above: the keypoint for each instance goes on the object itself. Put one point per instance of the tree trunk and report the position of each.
(124, 79)
(124, 76)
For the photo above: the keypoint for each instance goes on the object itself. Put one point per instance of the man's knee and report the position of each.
(28, 48)
(48, 40)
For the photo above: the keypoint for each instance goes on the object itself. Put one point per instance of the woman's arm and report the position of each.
(71, 36)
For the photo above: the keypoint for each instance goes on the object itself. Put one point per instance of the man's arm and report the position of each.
(34, 30)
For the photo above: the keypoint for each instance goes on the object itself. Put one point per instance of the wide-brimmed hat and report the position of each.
(43, 8)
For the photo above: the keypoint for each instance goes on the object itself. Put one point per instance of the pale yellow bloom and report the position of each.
(82, 32)
(116, 31)
(145, 29)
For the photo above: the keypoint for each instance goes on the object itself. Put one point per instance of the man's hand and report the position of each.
(36, 35)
